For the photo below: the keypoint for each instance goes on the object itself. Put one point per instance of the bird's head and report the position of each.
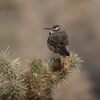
(53, 29)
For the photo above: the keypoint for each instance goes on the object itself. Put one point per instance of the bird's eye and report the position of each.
(50, 32)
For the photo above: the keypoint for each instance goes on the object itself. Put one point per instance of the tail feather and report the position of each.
(64, 52)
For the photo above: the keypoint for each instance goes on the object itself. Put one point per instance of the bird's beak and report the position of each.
(47, 28)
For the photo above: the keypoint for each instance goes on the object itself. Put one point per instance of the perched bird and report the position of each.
(58, 40)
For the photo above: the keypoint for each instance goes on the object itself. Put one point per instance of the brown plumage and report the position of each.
(58, 40)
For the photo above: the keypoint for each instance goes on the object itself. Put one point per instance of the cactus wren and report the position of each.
(58, 40)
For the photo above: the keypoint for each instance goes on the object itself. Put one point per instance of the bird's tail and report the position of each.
(64, 52)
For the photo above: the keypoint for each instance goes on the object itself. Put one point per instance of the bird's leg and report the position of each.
(55, 56)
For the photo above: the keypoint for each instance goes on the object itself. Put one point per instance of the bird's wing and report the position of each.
(63, 37)
(53, 40)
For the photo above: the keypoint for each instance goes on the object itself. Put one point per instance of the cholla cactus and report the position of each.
(39, 80)
(11, 87)
(43, 76)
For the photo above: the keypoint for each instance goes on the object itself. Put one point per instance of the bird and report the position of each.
(58, 40)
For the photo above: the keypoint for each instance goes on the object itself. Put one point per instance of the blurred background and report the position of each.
(21, 23)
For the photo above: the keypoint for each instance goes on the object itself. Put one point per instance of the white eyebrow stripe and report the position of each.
(57, 28)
